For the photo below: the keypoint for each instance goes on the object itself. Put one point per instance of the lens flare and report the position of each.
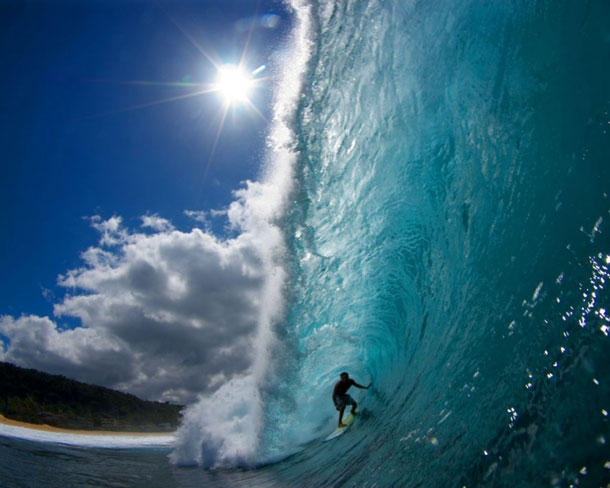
(234, 84)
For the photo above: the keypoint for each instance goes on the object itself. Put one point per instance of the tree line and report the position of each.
(28, 395)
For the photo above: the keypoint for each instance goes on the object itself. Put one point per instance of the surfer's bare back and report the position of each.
(340, 397)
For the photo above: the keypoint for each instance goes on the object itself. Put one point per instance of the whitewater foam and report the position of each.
(109, 441)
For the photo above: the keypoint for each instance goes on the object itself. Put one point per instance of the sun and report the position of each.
(234, 84)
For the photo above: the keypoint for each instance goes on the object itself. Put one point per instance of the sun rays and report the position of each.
(235, 85)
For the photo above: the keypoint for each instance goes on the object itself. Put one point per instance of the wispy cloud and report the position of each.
(198, 216)
(157, 223)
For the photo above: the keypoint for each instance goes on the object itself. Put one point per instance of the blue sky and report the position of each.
(137, 237)
(74, 146)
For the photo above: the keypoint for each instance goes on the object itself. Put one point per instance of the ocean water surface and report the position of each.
(439, 175)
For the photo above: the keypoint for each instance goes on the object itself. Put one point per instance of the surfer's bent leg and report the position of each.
(348, 400)
(341, 410)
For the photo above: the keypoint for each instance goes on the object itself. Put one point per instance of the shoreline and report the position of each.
(59, 430)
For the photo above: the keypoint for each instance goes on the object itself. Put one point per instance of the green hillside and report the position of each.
(31, 396)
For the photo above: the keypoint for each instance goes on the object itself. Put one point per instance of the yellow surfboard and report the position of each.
(340, 430)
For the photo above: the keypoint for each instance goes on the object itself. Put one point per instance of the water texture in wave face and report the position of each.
(450, 244)
(447, 239)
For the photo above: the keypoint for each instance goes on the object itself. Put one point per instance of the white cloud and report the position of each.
(164, 315)
(218, 213)
(157, 223)
(111, 230)
(197, 215)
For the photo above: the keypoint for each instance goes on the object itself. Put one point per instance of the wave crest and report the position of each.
(223, 430)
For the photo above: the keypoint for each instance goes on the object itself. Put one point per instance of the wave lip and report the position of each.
(223, 430)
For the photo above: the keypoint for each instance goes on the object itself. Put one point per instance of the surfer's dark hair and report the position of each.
(344, 373)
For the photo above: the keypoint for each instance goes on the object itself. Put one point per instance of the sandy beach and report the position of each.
(49, 428)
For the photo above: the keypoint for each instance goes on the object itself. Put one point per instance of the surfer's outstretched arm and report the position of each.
(362, 387)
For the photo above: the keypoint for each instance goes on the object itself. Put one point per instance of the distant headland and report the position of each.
(31, 396)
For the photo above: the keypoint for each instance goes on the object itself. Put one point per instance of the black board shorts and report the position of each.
(343, 400)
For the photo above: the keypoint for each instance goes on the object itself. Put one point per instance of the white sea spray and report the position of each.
(223, 430)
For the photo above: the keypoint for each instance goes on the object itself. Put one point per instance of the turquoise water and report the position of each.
(445, 237)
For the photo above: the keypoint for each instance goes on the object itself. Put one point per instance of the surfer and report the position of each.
(340, 397)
